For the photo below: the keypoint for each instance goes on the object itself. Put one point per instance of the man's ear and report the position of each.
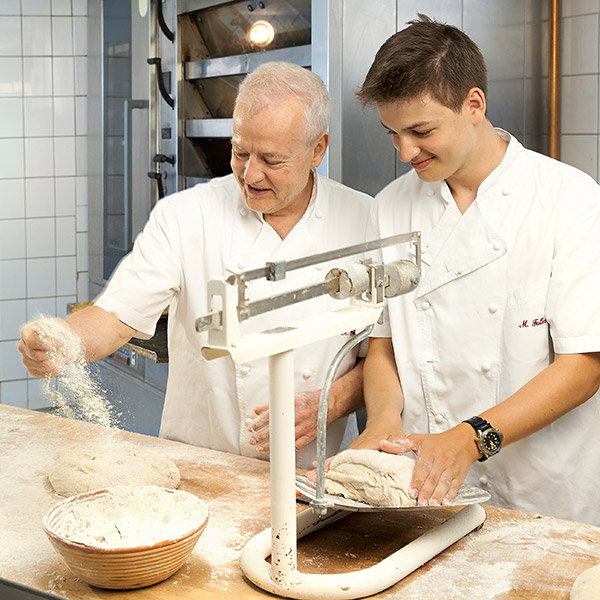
(319, 149)
(475, 104)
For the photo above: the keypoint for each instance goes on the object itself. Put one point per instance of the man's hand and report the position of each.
(306, 408)
(38, 352)
(443, 461)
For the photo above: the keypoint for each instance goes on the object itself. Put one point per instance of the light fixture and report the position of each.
(261, 33)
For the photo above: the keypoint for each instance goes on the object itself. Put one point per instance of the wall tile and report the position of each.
(37, 76)
(41, 277)
(39, 197)
(81, 147)
(10, 7)
(62, 305)
(62, 36)
(81, 127)
(61, 7)
(82, 219)
(37, 395)
(63, 76)
(80, 36)
(35, 7)
(64, 115)
(38, 117)
(82, 251)
(82, 191)
(65, 196)
(580, 151)
(80, 7)
(81, 86)
(39, 157)
(578, 35)
(66, 276)
(37, 36)
(13, 315)
(14, 393)
(11, 76)
(10, 36)
(40, 238)
(83, 287)
(12, 239)
(571, 8)
(11, 117)
(65, 236)
(64, 152)
(12, 198)
(38, 308)
(11, 158)
(12, 279)
(578, 94)
(11, 365)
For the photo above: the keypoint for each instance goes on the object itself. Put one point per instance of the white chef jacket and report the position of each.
(203, 233)
(506, 284)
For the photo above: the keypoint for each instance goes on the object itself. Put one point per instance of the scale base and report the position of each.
(356, 584)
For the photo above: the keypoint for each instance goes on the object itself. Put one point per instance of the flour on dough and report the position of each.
(85, 468)
(587, 585)
(370, 476)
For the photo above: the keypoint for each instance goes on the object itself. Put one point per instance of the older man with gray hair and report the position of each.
(273, 207)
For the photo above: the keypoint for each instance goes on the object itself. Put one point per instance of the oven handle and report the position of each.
(128, 107)
(161, 82)
(162, 24)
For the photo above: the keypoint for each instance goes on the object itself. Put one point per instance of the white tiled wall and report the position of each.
(43, 177)
(580, 81)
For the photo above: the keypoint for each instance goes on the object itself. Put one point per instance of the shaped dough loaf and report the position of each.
(84, 468)
(370, 476)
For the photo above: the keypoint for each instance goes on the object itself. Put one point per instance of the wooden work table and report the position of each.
(514, 555)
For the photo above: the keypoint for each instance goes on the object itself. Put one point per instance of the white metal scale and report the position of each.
(364, 285)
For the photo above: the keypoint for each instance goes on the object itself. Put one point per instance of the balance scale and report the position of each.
(365, 285)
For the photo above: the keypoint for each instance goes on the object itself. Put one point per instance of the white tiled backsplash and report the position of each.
(43, 174)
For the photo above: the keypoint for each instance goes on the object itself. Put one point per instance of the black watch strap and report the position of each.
(481, 426)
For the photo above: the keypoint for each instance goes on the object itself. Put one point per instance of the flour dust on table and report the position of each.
(73, 392)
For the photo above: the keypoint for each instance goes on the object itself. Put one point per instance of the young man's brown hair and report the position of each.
(427, 57)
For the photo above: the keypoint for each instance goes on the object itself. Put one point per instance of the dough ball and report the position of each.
(84, 468)
(370, 476)
(587, 585)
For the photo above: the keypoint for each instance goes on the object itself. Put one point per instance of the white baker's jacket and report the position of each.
(203, 233)
(503, 286)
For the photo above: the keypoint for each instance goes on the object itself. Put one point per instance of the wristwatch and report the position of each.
(488, 440)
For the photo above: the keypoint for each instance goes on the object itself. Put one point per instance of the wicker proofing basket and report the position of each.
(120, 568)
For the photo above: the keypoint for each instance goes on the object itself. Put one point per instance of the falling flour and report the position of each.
(73, 392)
(128, 516)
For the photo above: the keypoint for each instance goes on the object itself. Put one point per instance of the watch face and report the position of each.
(492, 441)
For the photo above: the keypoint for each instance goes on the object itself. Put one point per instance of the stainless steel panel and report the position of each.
(368, 155)
(214, 128)
(187, 6)
(245, 63)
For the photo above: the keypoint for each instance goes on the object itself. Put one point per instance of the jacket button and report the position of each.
(319, 215)
(430, 192)
(505, 192)
(306, 374)
(497, 245)
(243, 211)
(493, 308)
(425, 305)
(486, 366)
(439, 419)
(319, 267)
(244, 371)
(483, 480)
(242, 264)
